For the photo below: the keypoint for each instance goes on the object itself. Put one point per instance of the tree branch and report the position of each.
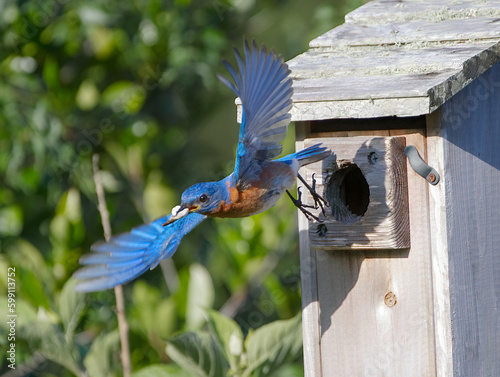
(120, 305)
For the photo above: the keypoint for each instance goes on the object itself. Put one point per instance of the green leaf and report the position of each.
(102, 41)
(98, 361)
(145, 299)
(23, 253)
(198, 354)
(50, 73)
(165, 317)
(87, 96)
(11, 220)
(228, 335)
(273, 345)
(161, 370)
(71, 305)
(32, 289)
(158, 198)
(48, 339)
(290, 370)
(155, 316)
(124, 96)
(200, 296)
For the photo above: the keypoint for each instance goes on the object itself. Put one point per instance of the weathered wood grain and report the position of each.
(422, 51)
(383, 60)
(338, 88)
(309, 287)
(439, 248)
(433, 308)
(418, 31)
(321, 94)
(360, 108)
(468, 130)
(375, 12)
(310, 303)
(376, 306)
(385, 224)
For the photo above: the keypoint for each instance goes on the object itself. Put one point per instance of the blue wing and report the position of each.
(307, 156)
(129, 255)
(265, 90)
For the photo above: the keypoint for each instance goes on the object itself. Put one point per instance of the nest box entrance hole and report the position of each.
(348, 193)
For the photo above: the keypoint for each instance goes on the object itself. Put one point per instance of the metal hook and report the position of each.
(420, 166)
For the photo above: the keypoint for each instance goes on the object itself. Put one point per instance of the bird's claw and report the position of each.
(302, 207)
(319, 201)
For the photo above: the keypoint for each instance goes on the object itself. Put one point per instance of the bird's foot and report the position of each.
(319, 201)
(302, 207)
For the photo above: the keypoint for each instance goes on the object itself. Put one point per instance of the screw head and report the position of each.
(372, 158)
(390, 299)
(322, 230)
(432, 177)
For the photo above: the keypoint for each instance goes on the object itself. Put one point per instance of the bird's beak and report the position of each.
(178, 212)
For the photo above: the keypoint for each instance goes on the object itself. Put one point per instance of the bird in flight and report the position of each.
(264, 87)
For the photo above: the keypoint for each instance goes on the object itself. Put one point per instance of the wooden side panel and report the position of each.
(470, 127)
(375, 307)
(439, 249)
(309, 286)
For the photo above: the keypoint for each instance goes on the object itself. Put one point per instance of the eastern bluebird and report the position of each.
(265, 90)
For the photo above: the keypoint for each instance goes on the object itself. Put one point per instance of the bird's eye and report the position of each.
(203, 198)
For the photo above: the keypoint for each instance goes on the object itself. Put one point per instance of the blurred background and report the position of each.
(134, 81)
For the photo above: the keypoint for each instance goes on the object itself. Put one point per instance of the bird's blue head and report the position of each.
(203, 197)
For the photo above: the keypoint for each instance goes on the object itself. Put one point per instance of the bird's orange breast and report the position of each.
(274, 178)
(242, 203)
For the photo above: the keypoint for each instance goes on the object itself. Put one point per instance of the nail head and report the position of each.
(390, 299)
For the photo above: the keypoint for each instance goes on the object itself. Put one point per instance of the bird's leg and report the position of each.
(302, 207)
(319, 201)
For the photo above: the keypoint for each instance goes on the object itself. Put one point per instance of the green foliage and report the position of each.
(197, 353)
(200, 295)
(135, 81)
(273, 345)
(102, 352)
(156, 315)
(48, 340)
(223, 352)
(228, 336)
(51, 333)
(161, 370)
(71, 306)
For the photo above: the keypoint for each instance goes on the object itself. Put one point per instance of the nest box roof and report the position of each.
(396, 58)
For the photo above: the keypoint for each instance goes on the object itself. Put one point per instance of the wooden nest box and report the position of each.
(402, 277)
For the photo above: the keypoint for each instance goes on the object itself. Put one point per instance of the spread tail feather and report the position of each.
(311, 154)
(129, 255)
